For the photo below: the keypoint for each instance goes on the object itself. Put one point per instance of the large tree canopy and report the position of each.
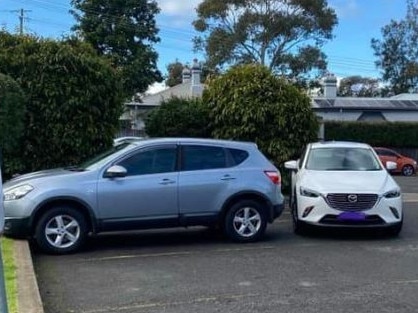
(397, 51)
(125, 32)
(284, 35)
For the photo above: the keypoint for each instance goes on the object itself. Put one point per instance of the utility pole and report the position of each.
(21, 18)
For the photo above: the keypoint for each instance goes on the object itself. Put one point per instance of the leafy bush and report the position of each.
(12, 111)
(74, 99)
(389, 134)
(178, 117)
(250, 103)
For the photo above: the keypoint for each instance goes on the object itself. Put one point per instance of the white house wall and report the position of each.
(401, 116)
(339, 116)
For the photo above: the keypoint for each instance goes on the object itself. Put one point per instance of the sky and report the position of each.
(349, 53)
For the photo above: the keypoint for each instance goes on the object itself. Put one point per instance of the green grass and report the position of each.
(9, 269)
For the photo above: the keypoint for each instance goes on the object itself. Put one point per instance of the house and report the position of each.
(135, 112)
(400, 108)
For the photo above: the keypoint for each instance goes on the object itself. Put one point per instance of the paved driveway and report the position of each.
(196, 271)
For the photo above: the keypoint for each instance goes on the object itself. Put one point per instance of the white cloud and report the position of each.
(178, 7)
(345, 8)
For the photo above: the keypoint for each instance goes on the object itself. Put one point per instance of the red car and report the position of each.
(406, 166)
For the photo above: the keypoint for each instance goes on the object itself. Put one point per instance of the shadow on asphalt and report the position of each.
(349, 234)
(166, 239)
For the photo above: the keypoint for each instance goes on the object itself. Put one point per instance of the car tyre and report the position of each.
(61, 230)
(245, 221)
(299, 227)
(407, 170)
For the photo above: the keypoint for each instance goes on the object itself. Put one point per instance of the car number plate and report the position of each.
(352, 216)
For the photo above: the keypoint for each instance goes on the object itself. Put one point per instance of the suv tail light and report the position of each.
(274, 177)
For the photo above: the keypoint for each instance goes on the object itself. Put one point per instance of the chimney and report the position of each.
(197, 87)
(330, 86)
(186, 74)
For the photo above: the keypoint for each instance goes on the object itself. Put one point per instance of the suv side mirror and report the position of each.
(115, 171)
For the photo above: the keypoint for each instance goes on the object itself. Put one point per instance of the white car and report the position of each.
(344, 184)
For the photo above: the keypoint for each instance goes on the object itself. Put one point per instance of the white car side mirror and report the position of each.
(115, 171)
(291, 165)
(390, 166)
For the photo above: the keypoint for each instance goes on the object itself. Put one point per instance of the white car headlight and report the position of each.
(17, 192)
(392, 194)
(309, 193)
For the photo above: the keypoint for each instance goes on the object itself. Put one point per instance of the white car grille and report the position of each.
(351, 201)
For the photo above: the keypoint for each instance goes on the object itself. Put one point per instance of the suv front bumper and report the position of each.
(16, 227)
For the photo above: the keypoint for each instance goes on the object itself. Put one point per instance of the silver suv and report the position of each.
(152, 183)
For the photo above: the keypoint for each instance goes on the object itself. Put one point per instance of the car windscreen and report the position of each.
(102, 158)
(342, 159)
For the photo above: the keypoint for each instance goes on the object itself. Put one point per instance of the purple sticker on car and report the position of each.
(352, 216)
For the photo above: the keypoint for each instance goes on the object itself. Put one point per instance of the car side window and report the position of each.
(386, 153)
(203, 158)
(159, 160)
(238, 156)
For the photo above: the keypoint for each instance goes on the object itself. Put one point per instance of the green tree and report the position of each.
(12, 113)
(178, 117)
(250, 103)
(397, 51)
(175, 73)
(284, 35)
(125, 32)
(74, 99)
(358, 86)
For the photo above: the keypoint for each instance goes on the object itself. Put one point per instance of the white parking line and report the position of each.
(410, 197)
(204, 299)
(179, 253)
(405, 282)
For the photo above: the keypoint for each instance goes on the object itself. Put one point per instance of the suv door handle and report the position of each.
(167, 181)
(228, 177)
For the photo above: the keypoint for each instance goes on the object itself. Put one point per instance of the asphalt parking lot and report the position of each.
(195, 270)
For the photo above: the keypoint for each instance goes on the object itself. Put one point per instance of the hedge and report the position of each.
(388, 134)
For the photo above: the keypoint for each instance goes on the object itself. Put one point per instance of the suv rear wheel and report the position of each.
(245, 221)
(61, 230)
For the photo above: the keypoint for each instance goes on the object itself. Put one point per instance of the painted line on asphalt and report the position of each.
(410, 197)
(170, 254)
(406, 282)
(139, 306)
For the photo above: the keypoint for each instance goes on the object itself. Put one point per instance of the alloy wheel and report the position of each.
(62, 231)
(247, 222)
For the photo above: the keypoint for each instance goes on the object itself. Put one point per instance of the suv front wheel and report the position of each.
(245, 221)
(61, 230)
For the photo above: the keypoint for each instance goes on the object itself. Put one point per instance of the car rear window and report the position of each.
(198, 157)
(238, 156)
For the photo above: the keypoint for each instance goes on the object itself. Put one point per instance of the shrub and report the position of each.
(74, 99)
(178, 117)
(250, 103)
(12, 110)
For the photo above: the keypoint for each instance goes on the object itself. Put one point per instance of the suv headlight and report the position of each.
(392, 194)
(309, 193)
(17, 192)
